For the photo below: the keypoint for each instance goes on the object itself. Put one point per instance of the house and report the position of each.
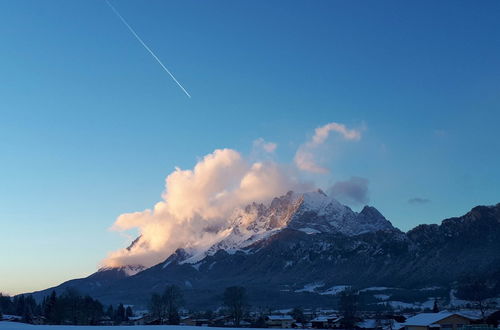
(219, 321)
(443, 321)
(105, 320)
(11, 318)
(137, 320)
(326, 322)
(38, 320)
(320, 322)
(300, 325)
(243, 324)
(279, 321)
(378, 323)
(198, 322)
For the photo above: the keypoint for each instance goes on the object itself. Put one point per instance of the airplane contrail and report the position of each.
(146, 46)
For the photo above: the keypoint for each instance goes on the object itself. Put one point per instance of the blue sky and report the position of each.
(90, 124)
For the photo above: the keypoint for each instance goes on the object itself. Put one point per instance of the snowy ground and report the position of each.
(22, 326)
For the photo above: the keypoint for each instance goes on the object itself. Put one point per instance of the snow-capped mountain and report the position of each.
(311, 212)
(278, 250)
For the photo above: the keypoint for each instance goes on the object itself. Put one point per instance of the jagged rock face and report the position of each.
(299, 239)
(326, 215)
(312, 213)
(255, 222)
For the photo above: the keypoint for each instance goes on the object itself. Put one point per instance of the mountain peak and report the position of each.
(322, 213)
(261, 245)
(310, 212)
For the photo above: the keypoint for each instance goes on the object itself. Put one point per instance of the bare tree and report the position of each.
(235, 299)
(349, 307)
(156, 307)
(477, 291)
(173, 299)
(165, 307)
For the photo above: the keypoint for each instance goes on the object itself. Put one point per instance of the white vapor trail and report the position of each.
(146, 46)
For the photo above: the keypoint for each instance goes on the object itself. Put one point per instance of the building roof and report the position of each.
(280, 318)
(8, 317)
(470, 314)
(426, 319)
(323, 318)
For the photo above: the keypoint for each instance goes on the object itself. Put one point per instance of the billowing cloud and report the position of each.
(196, 204)
(305, 157)
(262, 145)
(353, 191)
(418, 200)
(321, 133)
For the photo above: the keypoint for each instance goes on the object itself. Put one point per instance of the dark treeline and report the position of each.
(165, 308)
(67, 308)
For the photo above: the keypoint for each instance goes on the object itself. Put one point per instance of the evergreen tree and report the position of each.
(72, 308)
(18, 305)
(128, 312)
(6, 305)
(29, 309)
(435, 308)
(49, 308)
(69, 308)
(120, 314)
(110, 312)
(92, 311)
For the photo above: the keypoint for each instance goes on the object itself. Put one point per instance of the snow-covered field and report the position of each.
(22, 326)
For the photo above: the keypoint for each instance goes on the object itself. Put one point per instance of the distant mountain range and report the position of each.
(302, 249)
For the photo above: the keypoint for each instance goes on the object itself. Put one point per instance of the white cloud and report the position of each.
(196, 204)
(305, 157)
(261, 144)
(321, 133)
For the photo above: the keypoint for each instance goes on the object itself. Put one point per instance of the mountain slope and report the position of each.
(312, 212)
(301, 239)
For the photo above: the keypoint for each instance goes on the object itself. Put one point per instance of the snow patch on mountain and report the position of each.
(376, 288)
(312, 213)
(311, 287)
(309, 231)
(335, 290)
(128, 270)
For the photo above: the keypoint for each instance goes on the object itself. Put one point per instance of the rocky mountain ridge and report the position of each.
(312, 213)
(298, 240)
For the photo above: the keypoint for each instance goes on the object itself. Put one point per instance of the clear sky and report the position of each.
(90, 125)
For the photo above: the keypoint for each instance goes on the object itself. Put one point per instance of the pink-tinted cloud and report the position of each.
(262, 145)
(196, 204)
(305, 157)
